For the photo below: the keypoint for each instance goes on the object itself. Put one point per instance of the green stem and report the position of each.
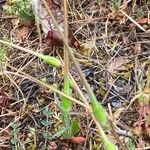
(92, 97)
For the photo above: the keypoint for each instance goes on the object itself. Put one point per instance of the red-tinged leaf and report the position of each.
(142, 125)
(143, 21)
(49, 28)
(145, 110)
(53, 145)
(117, 64)
(78, 139)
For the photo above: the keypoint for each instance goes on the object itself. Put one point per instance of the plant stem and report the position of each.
(66, 58)
(92, 97)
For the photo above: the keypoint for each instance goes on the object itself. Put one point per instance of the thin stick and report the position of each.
(66, 58)
(24, 75)
(132, 20)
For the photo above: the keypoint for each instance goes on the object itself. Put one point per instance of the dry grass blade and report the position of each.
(132, 20)
(24, 75)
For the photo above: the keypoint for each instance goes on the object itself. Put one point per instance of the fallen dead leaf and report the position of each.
(49, 28)
(117, 64)
(78, 139)
(22, 32)
(15, 22)
(53, 145)
(143, 21)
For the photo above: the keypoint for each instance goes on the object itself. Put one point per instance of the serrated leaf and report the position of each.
(47, 135)
(15, 125)
(13, 141)
(46, 123)
(59, 133)
(46, 111)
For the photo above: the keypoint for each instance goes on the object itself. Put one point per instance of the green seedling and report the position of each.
(70, 126)
(139, 13)
(130, 144)
(14, 140)
(65, 106)
(47, 123)
(116, 5)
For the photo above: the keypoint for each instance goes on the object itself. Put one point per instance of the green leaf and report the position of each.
(13, 141)
(110, 146)
(46, 111)
(130, 144)
(65, 102)
(59, 132)
(116, 4)
(99, 113)
(139, 13)
(15, 125)
(75, 128)
(47, 135)
(46, 123)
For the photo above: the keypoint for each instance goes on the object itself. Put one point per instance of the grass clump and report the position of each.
(20, 8)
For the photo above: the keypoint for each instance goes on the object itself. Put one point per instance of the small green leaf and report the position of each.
(65, 102)
(139, 13)
(110, 146)
(116, 4)
(15, 125)
(46, 123)
(130, 144)
(47, 135)
(75, 128)
(13, 141)
(46, 111)
(14, 131)
(59, 132)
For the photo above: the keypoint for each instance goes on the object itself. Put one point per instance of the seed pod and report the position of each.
(55, 62)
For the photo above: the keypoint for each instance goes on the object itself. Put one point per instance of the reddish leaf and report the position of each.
(142, 125)
(143, 21)
(78, 139)
(49, 28)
